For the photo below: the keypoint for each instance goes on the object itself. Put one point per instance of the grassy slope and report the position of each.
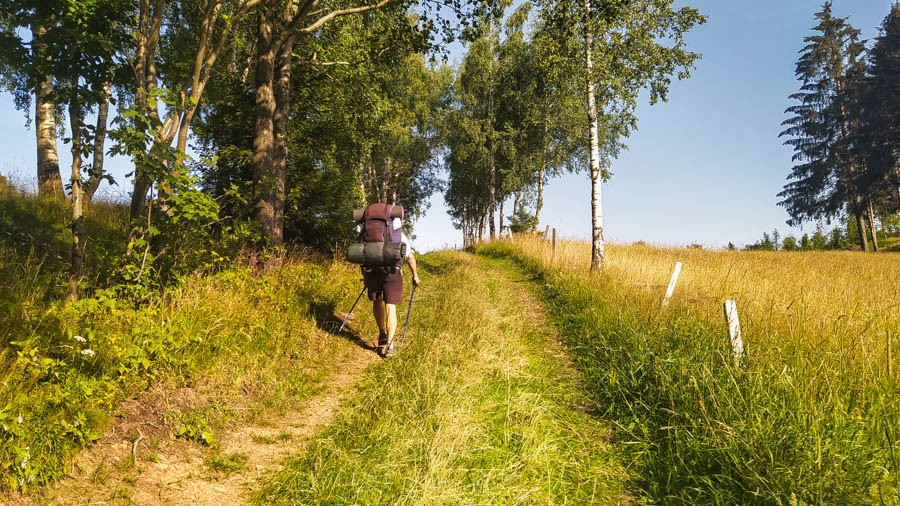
(812, 418)
(237, 345)
(479, 408)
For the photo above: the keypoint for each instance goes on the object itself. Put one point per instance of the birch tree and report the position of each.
(26, 70)
(620, 49)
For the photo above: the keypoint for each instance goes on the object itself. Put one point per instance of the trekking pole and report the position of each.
(408, 311)
(351, 308)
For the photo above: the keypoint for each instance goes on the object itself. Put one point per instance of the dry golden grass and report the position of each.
(835, 299)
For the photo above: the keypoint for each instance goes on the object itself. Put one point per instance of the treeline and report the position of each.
(550, 88)
(299, 110)
(844, 128)
(843, 237)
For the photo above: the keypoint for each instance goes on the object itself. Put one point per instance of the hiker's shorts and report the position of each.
(388, 285)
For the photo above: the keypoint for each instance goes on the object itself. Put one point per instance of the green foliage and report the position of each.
(363, 127)
(65, 368)
(845, 159)
(522, 221)
(843, 236)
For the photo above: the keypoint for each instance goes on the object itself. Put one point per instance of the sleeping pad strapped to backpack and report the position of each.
(378, 244)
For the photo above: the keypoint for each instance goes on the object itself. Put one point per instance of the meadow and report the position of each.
(640, 403)
(809, 417)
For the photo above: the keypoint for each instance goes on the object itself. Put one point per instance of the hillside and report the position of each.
(524, 378)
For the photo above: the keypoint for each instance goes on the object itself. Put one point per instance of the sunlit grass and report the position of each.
(476, 409)
(236, 344)
(812, 415)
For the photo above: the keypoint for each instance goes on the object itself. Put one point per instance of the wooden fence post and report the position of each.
(671, 289)
(734, 331)
(554, 244)
(547, 233)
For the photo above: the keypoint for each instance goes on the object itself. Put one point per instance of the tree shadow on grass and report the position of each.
(330, 323)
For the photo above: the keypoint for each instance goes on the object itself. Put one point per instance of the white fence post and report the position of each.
(509, 230)
(671, 289)
(734, 331)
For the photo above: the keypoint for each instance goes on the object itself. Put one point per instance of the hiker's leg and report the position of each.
(391, 321)
(393, 295)
(378, 311)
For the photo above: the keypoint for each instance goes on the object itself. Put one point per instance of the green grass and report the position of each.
(233, 339)
(479, 408)
(800, 423)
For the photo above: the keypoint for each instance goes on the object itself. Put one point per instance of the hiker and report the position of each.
(384, 284)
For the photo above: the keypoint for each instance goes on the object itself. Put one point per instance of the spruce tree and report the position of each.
(882, 102)
(826, 177)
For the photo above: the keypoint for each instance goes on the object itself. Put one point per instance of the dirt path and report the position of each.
(131, 466)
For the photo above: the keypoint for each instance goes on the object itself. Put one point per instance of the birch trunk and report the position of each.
(99, 145)
(540, 199)
(541, 172)
(48, 174)
(597, 246)
(77, 199)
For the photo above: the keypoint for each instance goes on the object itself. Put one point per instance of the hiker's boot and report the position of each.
(382, 343)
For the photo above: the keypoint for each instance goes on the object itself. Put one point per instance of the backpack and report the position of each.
(377, 244)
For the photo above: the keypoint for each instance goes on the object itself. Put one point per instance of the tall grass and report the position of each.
(476, 409)
(812, 417)
(236, 339)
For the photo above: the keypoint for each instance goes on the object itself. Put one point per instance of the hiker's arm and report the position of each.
(411, 260)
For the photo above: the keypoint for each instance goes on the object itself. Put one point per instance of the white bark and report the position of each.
(597, 253)
(48, 175)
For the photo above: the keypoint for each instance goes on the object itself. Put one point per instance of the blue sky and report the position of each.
(705, 167)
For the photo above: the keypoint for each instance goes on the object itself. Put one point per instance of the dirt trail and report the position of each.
(126, 468)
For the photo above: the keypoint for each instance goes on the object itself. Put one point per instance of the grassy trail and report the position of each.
(481, 407)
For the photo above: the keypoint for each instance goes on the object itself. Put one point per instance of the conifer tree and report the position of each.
(882, 102)
(827, 178)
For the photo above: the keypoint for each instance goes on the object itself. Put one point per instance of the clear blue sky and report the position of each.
(704, 167)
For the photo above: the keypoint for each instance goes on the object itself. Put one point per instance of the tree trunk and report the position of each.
(500, 227)
(77, 197)
(597, 246)
(99, 145)
(147, 20)
(264, 177)
(540, 199)
(539, 206)
(48, 175)
(871, 211)
(861, 228)
(492, 199)
(282, 93)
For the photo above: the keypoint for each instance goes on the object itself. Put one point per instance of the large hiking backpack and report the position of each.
(378, 244)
